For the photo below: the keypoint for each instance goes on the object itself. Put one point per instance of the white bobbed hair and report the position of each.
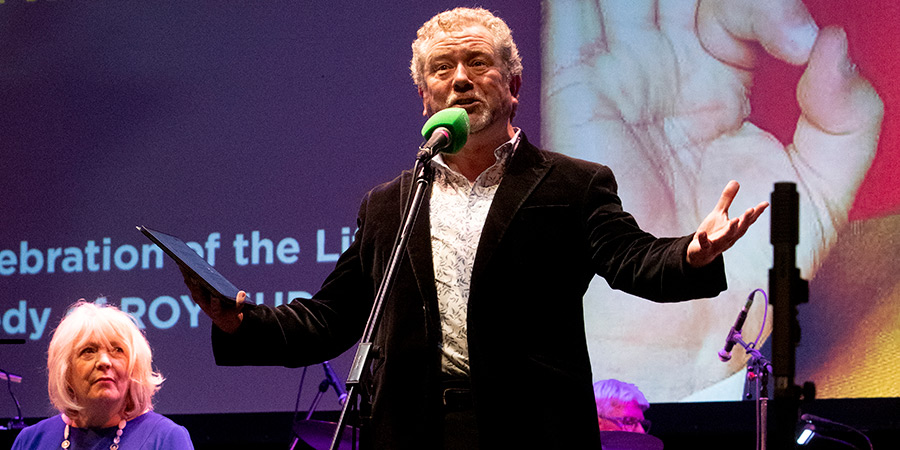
(106, 325)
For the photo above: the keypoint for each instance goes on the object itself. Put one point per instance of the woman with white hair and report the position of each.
(100, 378)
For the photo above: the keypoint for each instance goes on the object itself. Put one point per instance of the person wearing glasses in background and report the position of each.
(620, 406)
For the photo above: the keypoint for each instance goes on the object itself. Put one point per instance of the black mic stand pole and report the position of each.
(758, 371)
(786, 291)
(423, 176)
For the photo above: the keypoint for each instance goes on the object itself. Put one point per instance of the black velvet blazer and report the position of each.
(555, 222)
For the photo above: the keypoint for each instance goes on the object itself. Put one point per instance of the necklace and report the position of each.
(115, 445)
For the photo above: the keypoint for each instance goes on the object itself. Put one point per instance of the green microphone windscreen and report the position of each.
(456, 120)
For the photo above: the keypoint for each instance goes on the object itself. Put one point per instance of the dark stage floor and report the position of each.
(714, 425)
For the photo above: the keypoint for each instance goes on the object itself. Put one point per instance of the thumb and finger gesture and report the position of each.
(718, 232)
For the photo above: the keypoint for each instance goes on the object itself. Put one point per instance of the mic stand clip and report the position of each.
(425, 154)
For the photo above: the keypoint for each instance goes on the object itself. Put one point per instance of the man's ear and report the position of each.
(424, 105)
(515, 83)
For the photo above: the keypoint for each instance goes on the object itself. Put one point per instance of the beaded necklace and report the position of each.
(115, 445)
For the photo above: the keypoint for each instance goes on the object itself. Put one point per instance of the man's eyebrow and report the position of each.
(468, 54)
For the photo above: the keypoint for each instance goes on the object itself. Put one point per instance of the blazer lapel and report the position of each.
(418, 250)
(526, 169)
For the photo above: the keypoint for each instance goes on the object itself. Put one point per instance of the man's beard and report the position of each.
(482, 116)
(480, 119)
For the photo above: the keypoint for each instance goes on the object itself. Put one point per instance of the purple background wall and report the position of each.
(198, 118)
(205, 117)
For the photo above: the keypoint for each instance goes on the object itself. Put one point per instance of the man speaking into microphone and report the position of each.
(482, 342)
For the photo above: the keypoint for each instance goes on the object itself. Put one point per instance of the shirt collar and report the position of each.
(501, 153)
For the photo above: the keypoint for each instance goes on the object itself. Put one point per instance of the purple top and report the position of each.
(147, 431)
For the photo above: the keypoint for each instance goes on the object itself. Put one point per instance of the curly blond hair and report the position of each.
(455, 20)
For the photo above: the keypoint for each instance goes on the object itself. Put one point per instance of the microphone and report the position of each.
(445, 131)
(332, 379)
(725, 353)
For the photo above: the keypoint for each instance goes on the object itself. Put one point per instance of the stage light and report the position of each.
(806, 434)
(828, 430)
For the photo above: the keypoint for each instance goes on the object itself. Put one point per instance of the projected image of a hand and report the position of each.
(658, 90)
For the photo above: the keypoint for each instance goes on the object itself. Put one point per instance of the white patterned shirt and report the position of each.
(458, 210)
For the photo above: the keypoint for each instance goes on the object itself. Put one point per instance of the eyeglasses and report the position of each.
(629, 423)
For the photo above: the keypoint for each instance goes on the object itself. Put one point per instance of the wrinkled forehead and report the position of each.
(472, 38)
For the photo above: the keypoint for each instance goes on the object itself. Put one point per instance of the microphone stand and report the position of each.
(758, 371)
(423, 177)
(786, 291)
(323, 388)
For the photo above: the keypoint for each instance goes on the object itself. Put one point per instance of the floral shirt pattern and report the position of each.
(458, 212)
